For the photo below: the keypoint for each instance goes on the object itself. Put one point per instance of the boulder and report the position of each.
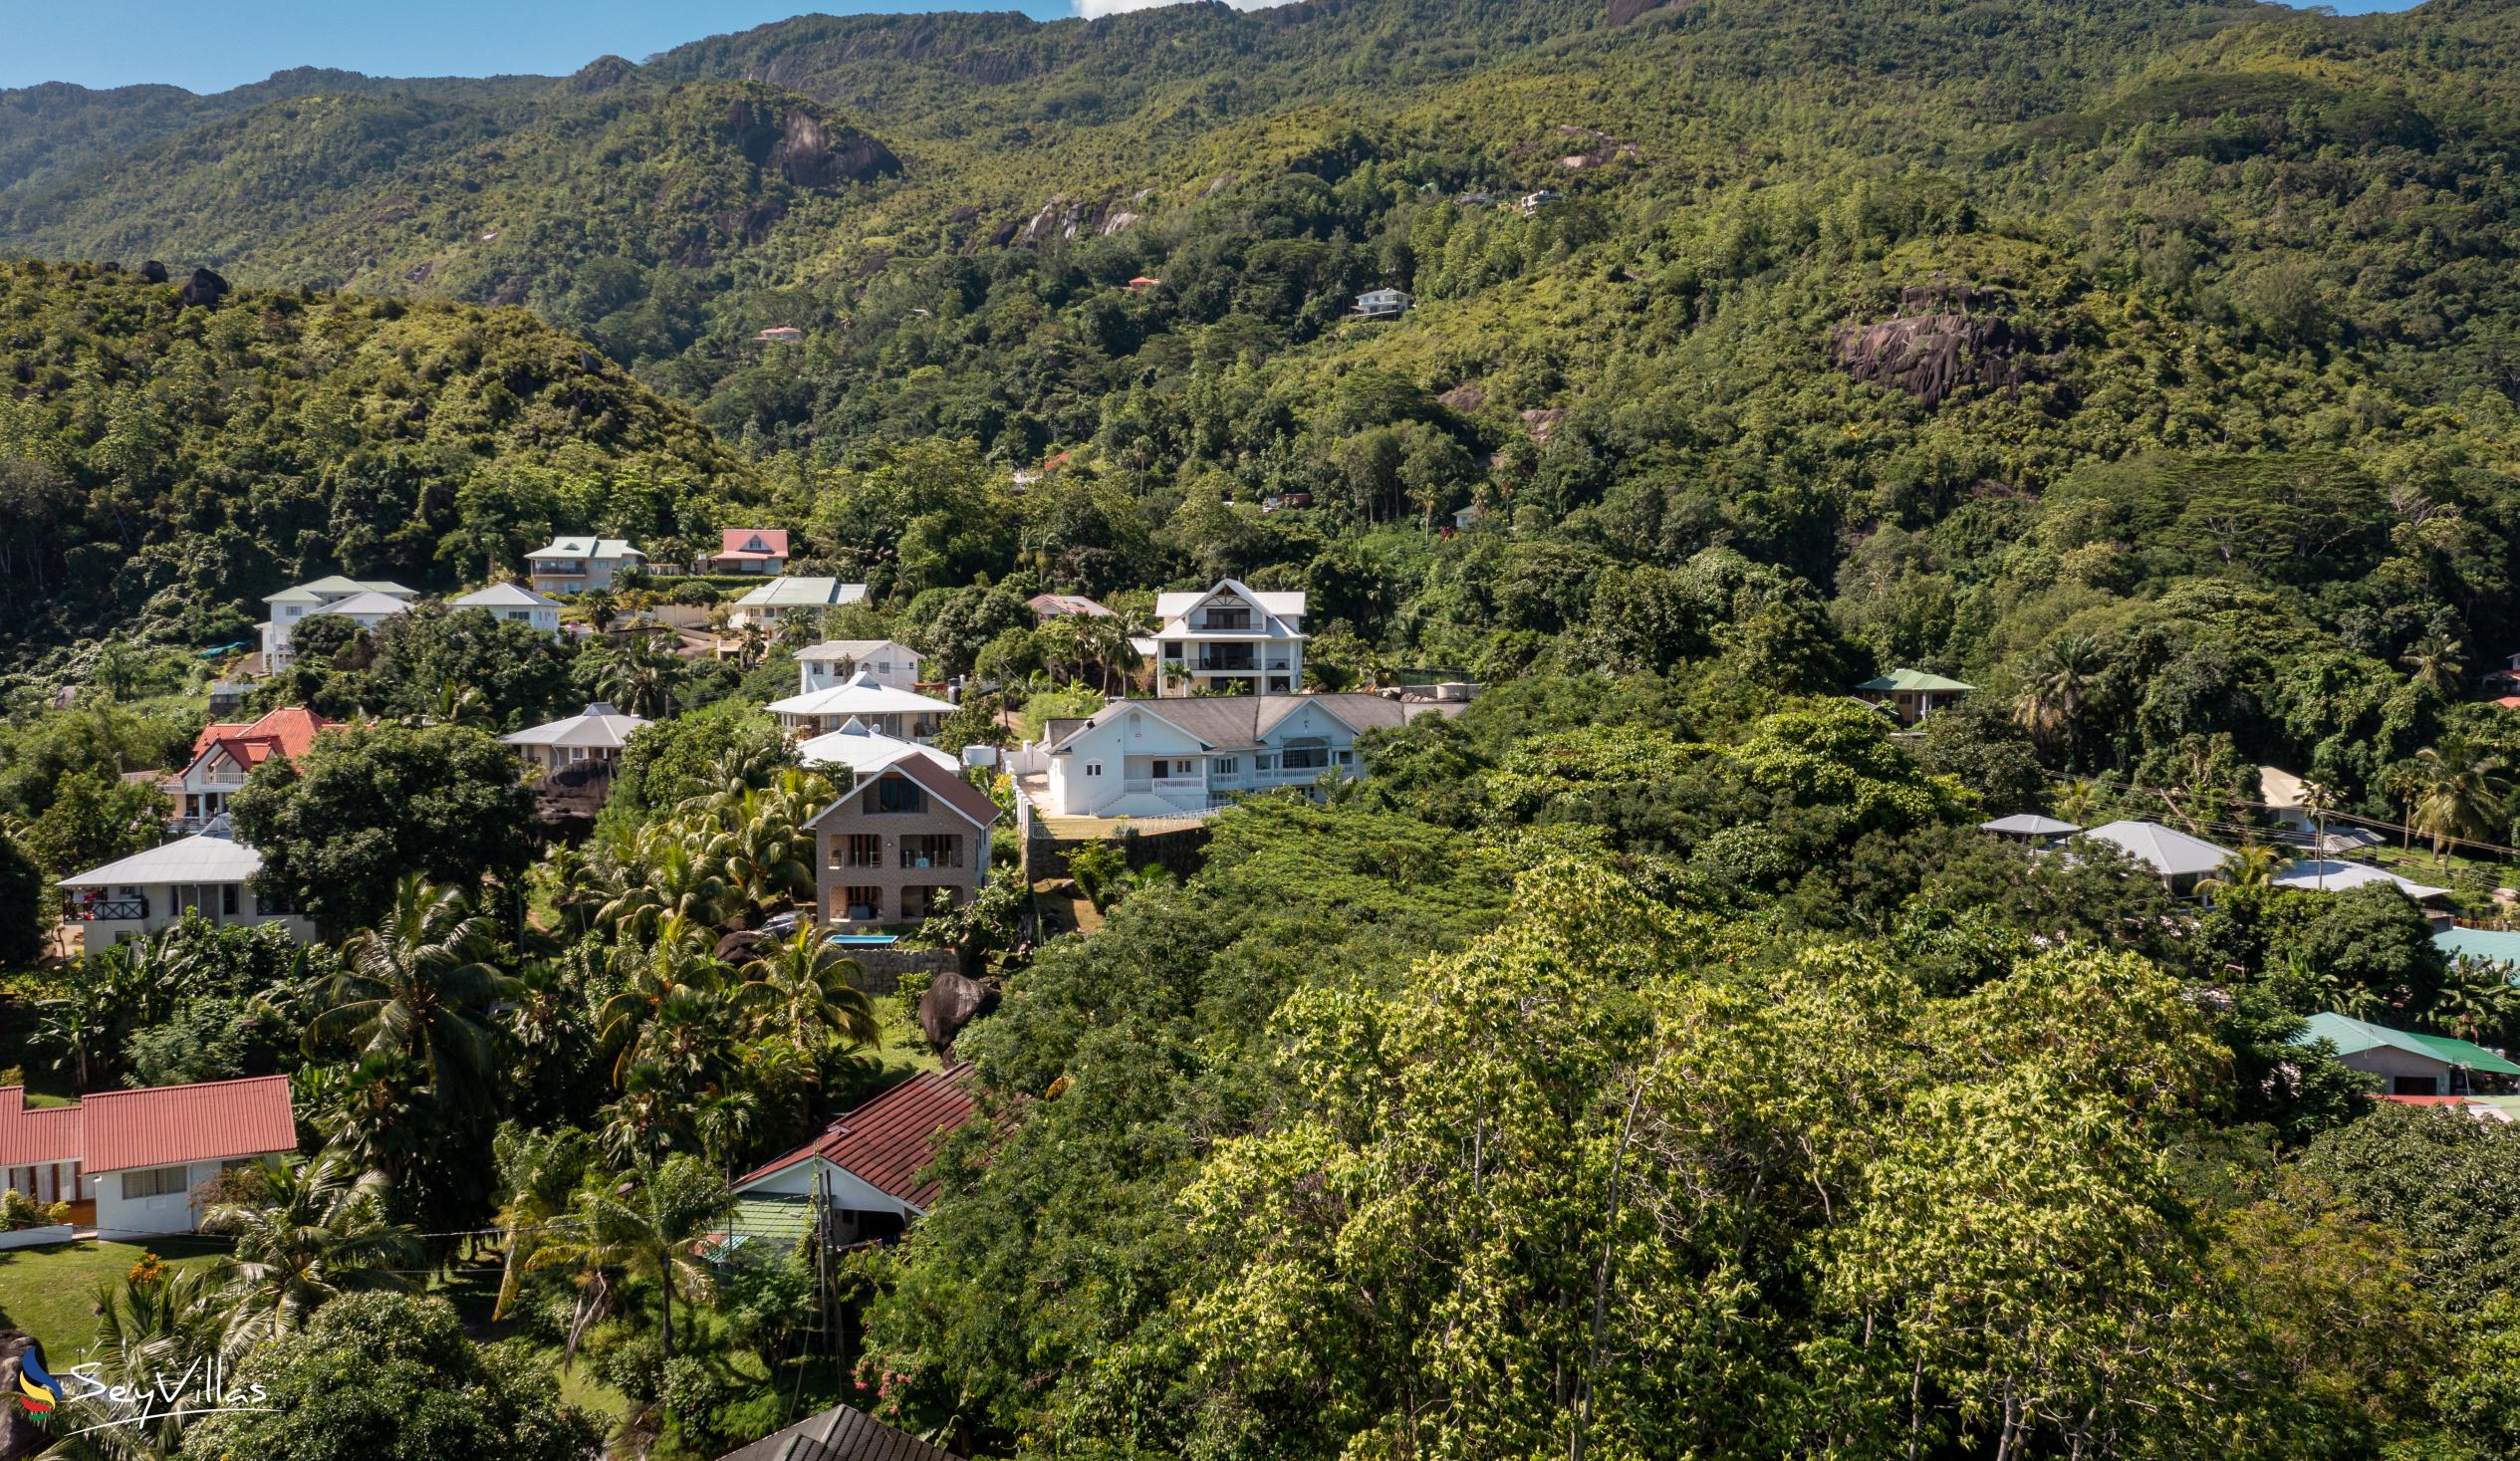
(1945, 336)
(154, 272)
(952, 1003)
(204, 289)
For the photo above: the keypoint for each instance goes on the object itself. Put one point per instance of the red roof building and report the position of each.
(750, 551)
(883, 1144)
(137, 1155)
(224, 755)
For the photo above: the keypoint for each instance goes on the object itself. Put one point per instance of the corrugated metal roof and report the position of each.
(886, 1143)
(2331, 875)
(2353, 1037)
(504, 596)
(2026, 824)
(598, 547)
(2170, 854)
(174, 1124)
(804, 592)
(1914, 680)
(116, 1130)
(858, 695)
(741, 543)
(863, 749)
(839, 1434)
(196, 859)
(596, 725)
(291, 729)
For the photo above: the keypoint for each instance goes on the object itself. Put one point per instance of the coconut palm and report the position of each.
(155, 1323)
(2458, 797)
(2476, 999)
(2254, 866)
(415, 985)
(762, 851)
(2058, 684)
(2434, 663)
(655, 878)
(803, 992)
(540, 1174)
(679, 978)
(647, 1224)
(316, 1235)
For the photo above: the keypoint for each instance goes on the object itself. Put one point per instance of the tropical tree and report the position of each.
(647, 1223)
(2254, 866)
(667, 1010)
(2434, 662)
(416, 987)
(539, 1176)
(803, 992)
(2458, 796)
(2058, 685)
(316, 1233)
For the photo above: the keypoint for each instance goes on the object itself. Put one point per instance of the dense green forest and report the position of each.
(1653, 1061)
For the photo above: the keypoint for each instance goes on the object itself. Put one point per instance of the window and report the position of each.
(895, 796)
(1304, 758)
(227, 899)
(1164, 769)
(1093, 768)
(861, 850)
(1347, 758)
(1264, 762)
(926, 902)
(861, 905)
(931, 849)
(1226, 766)
(152, 1182)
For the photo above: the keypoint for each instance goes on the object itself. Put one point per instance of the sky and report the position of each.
(109, 43)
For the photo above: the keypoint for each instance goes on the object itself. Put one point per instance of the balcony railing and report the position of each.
(1226, 664)
(951, 859)
(105, 910)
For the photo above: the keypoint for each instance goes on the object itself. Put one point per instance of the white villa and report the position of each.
(1188, 757)
(1229, 639)
(1383, 304)
(863, 752)
(129, 1162)
(780, 599)
(515, 604)
(596, 733)
(902, 714)
(367, 603)
(146, 891)
(578, 564)
(887, 662)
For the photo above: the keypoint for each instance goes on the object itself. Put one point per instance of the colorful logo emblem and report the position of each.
(38, 1392)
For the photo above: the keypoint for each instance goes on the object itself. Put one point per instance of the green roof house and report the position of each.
(2408, 1062)
(1910, 694)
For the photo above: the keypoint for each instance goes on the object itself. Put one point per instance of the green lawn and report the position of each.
(50, 1293)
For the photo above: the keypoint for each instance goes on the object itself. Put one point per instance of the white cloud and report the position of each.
(1093, 8)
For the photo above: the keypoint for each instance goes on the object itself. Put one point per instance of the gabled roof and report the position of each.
(196, 858)
(2353, 1037)
(945, 783)
(504, 596)
(863, 749)
(752, 543)
(2025, 823)
(368, 602)
(1914, 680)
(858, 695)
(334, 585)
(807, 592)
(117, 1130)
(1243, 722)
(832, 650)
(289, 731)
(1280, 614)
(886, 1143)
(2170, 854)
(2493, 945)
(2330, 876)
(598, 725)
(587, 547)
(838, 1434)
(2282, 790)
(1051, 605)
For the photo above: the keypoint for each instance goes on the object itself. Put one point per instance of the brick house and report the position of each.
(908, 841)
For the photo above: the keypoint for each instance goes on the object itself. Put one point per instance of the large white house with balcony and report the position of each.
(580, 565)
(365, 602)
(1188, 757)
(139, 895)
(887, 663)
(902, 714)
(225, 755)
(1230, 640)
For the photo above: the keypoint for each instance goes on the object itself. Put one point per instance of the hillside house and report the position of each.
(780, 335)
(906, 843)
(2030, 828)
(132, 1162)
(596, 734)
(2408, 1062)
(780, 600)
(1912, 694)
(1533, 203)
(516, 604)
(842, 1433)
(580, 565)
(1188, 757)
(137, 896)
(902, 714)
(1143, 285)
(1383, 304)
(887, 663)
(761, 550)
(864, 1168)
(224, 755)
(1229, 639)
(858, 750)
(1047, 607)
(2332, 875)
(367, 603)
(2179, 861)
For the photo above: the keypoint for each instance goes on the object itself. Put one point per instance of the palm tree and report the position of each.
(803, 992)
(416, 987)
(315, 1236)
(155, 1323)
(677, 977)
(2475, 1000)
(540, 1174)
(72, 1028)
(2458, 797)
(656, 879)
(2254, 866)
(648, 1224)
(762, 851)
(639, 678)
(2434, 661)
(2058, 685)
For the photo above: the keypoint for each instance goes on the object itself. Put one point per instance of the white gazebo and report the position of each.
(902, 714)
(596, 733)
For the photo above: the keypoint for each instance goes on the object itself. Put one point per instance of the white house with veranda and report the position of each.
(597, 733)
(1229, 639)
(365, 602)
(887, 663)
(139, 895)
(1188, 757)
(133, 1164)
(580, 563)
(514, 604)
(902, 714)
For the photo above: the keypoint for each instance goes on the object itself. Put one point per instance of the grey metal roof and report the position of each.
(2026, 824)
(2170, 854)
(197, 858)
(504, 596)
(1237, 722)
(839, 1434)
(803, 593)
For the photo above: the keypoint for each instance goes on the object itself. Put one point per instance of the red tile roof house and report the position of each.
(762, 551)
(131, 1160)
(867, 1166)
(224, 755)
